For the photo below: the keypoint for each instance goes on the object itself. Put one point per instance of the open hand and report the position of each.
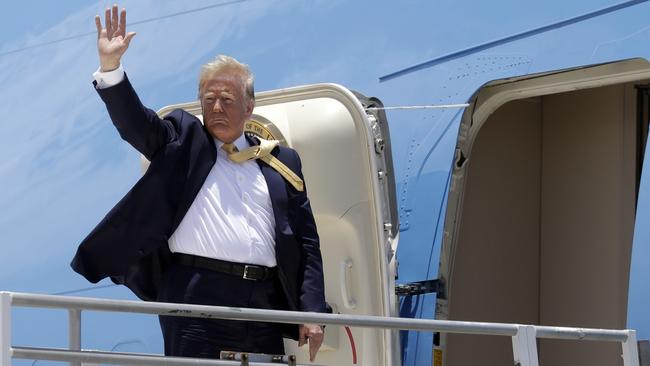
(113, 40)
(312, 333)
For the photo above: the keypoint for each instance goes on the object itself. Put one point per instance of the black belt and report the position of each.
(245, 271)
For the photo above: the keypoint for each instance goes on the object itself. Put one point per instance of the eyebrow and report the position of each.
(220, 93)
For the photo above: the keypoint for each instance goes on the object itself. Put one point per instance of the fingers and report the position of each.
(109, 24)
(128, 38)
(312, 333)
(115, 22)
(302, 335)
(122, 29)
(113, 40)
(314, 346)
(98, 23)
(315, 341)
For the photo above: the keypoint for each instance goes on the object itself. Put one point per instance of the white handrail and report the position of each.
(523, 336)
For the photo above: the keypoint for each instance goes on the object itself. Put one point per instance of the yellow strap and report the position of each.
(284, 171)
(263, 152)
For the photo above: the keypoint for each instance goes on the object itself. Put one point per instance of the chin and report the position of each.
(222, 136)
(216, 132)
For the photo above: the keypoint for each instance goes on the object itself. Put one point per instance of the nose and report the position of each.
(217, 106)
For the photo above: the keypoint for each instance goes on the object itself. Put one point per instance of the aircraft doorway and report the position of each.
(545, 208)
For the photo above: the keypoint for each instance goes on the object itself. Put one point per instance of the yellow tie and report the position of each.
(263, 152)
(230, 149)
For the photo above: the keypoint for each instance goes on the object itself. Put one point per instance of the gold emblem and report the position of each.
(263, 128)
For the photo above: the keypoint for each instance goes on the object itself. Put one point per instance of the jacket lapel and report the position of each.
(277, 192)
(202, 158)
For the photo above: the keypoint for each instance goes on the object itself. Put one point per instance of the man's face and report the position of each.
(225, 106)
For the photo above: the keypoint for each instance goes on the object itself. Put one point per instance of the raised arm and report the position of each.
(138, 125)
(113, 40)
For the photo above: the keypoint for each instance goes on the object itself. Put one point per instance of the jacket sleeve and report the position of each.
(312, 289)
(139, 126)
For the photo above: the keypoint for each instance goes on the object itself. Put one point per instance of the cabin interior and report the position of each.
(547, 223)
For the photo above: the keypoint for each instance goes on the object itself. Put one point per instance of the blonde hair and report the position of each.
(222, 63)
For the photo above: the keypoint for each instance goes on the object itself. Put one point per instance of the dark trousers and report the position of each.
(206, 338)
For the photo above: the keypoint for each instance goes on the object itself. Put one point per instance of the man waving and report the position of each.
(207, 223)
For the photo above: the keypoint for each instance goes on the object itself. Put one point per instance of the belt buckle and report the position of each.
(245, 275)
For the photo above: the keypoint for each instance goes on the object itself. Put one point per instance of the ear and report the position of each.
(202, 109)
(250, 106)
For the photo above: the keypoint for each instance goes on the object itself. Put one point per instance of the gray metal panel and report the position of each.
(644, 352)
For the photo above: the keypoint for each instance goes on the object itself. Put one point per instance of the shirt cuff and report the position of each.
(107, 79)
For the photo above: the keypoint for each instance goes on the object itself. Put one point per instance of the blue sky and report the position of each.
(63, 166)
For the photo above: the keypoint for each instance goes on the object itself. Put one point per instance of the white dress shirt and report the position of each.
(108, 78)
(231, 217)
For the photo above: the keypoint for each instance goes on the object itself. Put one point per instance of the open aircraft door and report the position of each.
(346, 160)
(542, 210)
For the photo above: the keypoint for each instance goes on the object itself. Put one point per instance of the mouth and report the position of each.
(217, 121)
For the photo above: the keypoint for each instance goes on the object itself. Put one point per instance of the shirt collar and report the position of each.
(241, 143)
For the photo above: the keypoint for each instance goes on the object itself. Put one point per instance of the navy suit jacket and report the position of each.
(130, 244)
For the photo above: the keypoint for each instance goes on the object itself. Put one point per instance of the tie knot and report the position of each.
(230, 148)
